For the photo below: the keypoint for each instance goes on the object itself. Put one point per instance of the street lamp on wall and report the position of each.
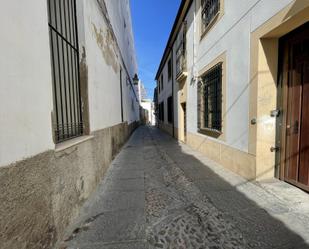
(135, 80)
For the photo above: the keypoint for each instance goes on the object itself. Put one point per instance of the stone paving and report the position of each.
(161, 194)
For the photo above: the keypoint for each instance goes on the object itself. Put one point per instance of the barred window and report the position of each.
(161, 111)
(210, 9)
(169, 71)
(170, 109)
(181, 51)
(65, 69)
(162, 86)
(210, 100)
(180, 59)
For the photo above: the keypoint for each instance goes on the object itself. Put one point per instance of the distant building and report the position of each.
(155, 104)
(232, 84)
(141, 91)
(148, 105)
(67, 105)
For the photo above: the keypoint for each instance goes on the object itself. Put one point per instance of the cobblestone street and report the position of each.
(161, 194)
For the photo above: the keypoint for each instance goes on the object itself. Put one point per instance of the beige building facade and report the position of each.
(232, 85)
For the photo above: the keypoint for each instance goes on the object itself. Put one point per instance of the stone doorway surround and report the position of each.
(264, 92)
(182, 100)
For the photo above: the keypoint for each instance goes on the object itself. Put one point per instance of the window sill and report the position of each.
(210, 132)
(71, 143)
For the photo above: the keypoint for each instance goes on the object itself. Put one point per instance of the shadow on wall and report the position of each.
(218, 208)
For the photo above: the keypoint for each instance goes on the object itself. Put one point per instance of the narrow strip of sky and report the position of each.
(152, 23)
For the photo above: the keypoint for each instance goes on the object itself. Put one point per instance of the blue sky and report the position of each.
(152, 23)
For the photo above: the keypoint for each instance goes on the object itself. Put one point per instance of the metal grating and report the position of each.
(161, 111)
(180, 60)
(212, 99)
(210, 8)
(170, 109)
(181, 52)
(65, 69)
(169, 71)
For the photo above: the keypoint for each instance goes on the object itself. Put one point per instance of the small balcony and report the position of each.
(181, 63)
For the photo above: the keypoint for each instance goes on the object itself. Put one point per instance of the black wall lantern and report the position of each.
(135, 80)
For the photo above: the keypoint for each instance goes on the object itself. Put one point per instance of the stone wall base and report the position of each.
(168, 128)
(42, 195)
(239, 162)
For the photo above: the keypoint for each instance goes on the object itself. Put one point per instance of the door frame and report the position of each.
(283, 106)
(182, 125)
(184, 128)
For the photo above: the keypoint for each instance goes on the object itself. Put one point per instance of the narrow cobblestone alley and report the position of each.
(162, 194)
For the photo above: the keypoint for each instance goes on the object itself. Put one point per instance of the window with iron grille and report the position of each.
(170, 109)
(180, 59)
(169, 71)
(210, 100)
(210, 9)
(181, 51)
(162, 87)
(65, 69)
(161, 111)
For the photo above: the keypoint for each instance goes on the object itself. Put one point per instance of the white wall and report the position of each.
(26, 86)
(130, 102)
(230, 35)
(104, 61)
(26, 96)
(120, 15)
(236, 45)
(148, 105)
(103, 72)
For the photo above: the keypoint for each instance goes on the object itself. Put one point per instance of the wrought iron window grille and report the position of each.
(161, 111)
(210, 100)
(210, 9)
(181, 59)
(162, 83)
(169, 70)
(68, 122)
(170, 113)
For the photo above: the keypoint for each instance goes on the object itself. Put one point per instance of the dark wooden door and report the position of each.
(296, 49)
(184, 106)
(304, 129)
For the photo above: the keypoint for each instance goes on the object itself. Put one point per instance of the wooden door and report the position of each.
(304, 129)
(184, 108)
(296, 57)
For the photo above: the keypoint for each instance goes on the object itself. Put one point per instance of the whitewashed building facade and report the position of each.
(223, 87)
(67, 105)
